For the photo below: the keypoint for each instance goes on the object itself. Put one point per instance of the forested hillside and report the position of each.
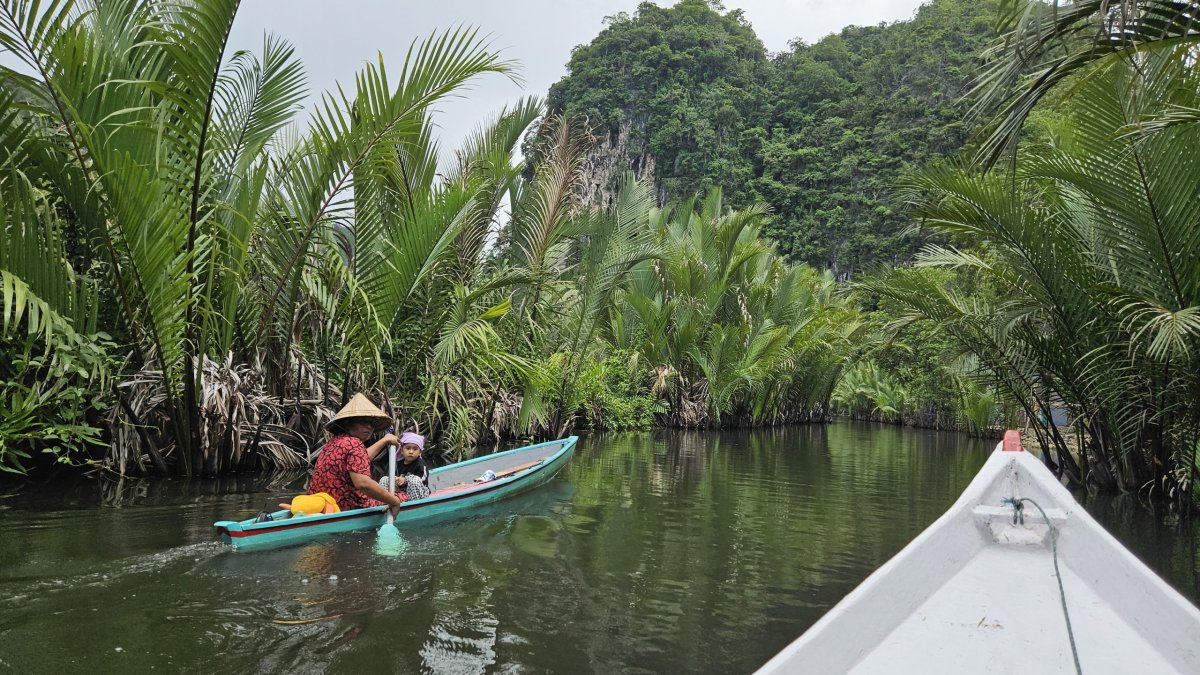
(819, 133)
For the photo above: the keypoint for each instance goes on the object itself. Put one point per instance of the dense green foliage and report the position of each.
(819, 133)
(256, 273)
(1092, 248)
(1069, 281)
(689, 79)
(911, 372)
(54, 359)
(1049, 45)
(732, 332)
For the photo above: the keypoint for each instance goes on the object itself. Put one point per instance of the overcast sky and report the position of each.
(335, 39)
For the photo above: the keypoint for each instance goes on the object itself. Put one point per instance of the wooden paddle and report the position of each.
(391, 481)
(387, 540)
(516, 469)
(508, 472)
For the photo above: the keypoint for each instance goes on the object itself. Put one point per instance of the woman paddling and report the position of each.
(343, 468)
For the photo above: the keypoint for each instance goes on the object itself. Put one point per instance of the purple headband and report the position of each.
(415, 439)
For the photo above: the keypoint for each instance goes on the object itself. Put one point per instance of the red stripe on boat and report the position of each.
(307, 523)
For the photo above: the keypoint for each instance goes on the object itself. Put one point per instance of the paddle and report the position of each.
(387, 540)
(391, 479)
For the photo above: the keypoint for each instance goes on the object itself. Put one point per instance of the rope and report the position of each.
(1018, 504)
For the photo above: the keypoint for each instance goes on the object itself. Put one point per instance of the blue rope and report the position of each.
(1019, 517)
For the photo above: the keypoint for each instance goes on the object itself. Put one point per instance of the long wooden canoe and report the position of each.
(979, 592)
(453, 489)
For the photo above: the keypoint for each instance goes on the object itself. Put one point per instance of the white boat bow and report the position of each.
(977, 592)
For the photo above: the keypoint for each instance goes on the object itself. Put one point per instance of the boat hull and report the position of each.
(453, 492)
(978, 592)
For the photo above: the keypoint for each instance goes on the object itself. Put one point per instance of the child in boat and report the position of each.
(411, 472)
(343, 469)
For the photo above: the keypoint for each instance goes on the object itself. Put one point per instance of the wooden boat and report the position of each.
(979, 592)
(453, 489)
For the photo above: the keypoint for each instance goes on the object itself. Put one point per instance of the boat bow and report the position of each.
(979, 592)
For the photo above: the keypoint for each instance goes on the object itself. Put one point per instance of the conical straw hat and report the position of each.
(361, 407)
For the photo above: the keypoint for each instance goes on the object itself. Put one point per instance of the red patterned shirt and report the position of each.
(340, 457)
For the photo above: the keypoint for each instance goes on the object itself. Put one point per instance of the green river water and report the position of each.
(655, 552)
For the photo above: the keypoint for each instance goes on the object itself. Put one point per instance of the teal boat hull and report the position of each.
(454, 492)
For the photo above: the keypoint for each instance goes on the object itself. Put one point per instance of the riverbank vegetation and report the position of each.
(1081, 242)
(193, 277)
(820, 134)
(193, 281)
(1034, 194)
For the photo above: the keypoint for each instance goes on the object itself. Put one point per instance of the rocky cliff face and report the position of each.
(622, 149)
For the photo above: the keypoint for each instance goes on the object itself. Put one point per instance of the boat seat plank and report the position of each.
(467, 472)
(998, 521)
(517, 469)
(461, 487)
(1004, 514)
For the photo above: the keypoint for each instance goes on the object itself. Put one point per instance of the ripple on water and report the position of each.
(656, 552)
(114, 572)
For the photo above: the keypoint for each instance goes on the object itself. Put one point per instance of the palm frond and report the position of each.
(1044, 44)
(348, 135)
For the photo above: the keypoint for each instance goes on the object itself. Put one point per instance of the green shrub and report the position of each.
(612, 394)
(52, 397)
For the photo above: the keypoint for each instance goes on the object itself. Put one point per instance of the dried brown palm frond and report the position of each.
(506, 414)
(664, 376)
(137, 424)
(537, 229)
(698, 395)
(242, 423)
(691, 403)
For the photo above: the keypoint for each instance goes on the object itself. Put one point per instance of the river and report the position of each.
(654, 552)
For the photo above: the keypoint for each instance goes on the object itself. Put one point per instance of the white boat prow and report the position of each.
(978, 593)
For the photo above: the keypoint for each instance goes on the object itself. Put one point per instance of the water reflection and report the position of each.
(123, 491)
(653, 552)
(1167, 542)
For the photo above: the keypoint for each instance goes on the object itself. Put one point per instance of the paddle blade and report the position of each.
(388, 541)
